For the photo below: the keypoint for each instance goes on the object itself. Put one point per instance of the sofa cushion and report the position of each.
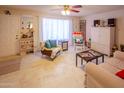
(47, 44)
(109, 68)
(120, 74)
(113, 65)
(119, 64)
(53, 43)
(101, 77)
(119, 55)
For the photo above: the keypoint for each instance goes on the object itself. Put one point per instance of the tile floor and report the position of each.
(37, 71)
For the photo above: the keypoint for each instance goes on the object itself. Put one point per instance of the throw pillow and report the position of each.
(53, 43)
(120, 74)
(47, 44)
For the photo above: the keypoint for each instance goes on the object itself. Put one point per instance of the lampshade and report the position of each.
(65, 12)
(31, 26)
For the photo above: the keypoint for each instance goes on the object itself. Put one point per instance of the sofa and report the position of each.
(104, 74)
(50, 48)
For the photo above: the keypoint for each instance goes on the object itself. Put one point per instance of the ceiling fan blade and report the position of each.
(74, 10)
(77, 6)
(56, 9)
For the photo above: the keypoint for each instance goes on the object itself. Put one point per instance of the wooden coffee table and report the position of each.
(89, 55)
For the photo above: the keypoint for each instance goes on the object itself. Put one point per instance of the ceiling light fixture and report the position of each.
(66, 10)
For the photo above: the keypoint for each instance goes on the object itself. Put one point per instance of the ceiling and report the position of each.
(55, 9)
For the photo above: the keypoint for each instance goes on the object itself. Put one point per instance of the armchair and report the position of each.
(51, 52)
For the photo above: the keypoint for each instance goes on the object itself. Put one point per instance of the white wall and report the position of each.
(9, 28)
(118, 14)
(18, 13)
(11, 24)
(76, 22)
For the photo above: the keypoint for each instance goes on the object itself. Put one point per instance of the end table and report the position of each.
(64, 45)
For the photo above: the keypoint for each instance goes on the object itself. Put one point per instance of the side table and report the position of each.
(64, 45)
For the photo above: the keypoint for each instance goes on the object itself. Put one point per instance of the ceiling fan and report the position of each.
(70, 8)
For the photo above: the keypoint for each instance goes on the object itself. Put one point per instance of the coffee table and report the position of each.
(89, 55)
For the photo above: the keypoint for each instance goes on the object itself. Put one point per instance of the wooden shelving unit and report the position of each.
(83, 29)
(82, 25)
(27, 37)
(27, 45)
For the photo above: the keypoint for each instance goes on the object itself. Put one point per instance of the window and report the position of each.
(56, 29)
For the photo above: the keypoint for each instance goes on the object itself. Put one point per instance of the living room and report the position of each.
(39, 65)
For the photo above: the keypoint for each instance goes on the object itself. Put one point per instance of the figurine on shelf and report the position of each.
(122, 47)
(114, 48)
(24, 36)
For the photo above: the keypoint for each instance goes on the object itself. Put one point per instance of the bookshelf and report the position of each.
(27, 36)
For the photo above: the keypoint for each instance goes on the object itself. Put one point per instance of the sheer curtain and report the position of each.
(56, 29)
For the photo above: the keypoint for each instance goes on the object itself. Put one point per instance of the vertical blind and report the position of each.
(56, 29)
